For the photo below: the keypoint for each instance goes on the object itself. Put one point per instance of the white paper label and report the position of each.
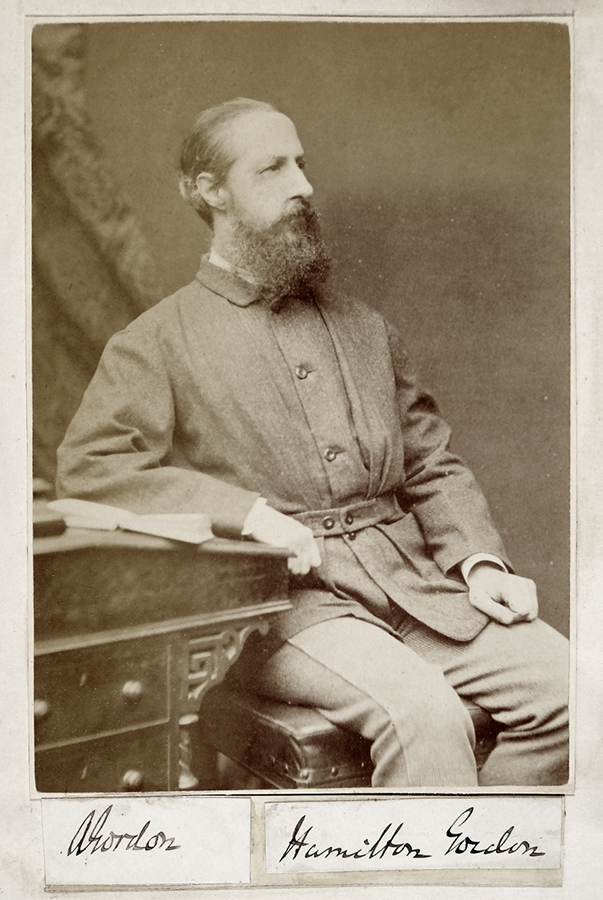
(414, 833)
(147, 841)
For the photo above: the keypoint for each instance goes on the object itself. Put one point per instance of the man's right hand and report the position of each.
(271, 527)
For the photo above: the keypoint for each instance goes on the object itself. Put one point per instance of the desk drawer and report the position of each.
(94, 690)
(136, 761)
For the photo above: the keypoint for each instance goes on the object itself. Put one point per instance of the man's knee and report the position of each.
(412, 691)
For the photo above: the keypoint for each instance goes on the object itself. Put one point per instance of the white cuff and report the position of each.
(471, 561)
(251, 518)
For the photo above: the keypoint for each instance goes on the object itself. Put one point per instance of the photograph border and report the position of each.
(583, 570)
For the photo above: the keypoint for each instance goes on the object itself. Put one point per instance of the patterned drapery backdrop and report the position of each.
(91, 270)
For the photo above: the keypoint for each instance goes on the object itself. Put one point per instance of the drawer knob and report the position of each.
(132, 780)
(132, 691)
(40, 709)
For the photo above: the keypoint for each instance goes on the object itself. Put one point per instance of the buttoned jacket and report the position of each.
(198, 406)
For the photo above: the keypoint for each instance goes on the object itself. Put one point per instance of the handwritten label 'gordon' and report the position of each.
(91, 837)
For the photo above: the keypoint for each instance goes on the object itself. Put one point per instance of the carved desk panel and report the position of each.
(130, 632)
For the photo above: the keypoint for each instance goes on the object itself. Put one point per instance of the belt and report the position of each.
(349, 519)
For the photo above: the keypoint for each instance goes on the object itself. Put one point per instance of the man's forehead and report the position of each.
(262, 134)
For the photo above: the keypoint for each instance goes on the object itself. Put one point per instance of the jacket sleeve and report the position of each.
(117, 448)
(439, 488)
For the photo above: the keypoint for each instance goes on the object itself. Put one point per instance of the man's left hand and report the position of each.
(504, 597)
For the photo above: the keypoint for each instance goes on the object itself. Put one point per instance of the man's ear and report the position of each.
(213, 195)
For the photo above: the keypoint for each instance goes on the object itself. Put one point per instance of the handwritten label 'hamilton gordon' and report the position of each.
(519, 832)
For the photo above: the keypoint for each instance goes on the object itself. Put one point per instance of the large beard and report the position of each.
(288, 259)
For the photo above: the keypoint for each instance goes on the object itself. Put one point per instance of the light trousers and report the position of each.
(404, 695)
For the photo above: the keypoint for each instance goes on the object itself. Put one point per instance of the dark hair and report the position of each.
(205, 150)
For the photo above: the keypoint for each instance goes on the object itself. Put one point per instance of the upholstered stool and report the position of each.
(292, 747)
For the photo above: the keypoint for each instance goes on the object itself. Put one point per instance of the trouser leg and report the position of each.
(360, 677)
(520, 675)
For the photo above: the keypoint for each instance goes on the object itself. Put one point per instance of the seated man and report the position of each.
(293, 416)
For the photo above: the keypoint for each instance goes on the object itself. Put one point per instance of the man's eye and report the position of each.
(273, 168)
(301, 164)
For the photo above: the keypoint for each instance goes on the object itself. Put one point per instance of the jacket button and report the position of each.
(301, 372)
(330, 454)
(328, 522)
(349, 518)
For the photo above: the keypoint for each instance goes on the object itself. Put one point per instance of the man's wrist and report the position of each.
(252, 516)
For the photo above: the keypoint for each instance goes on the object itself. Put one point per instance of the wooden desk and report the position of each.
(130, 632)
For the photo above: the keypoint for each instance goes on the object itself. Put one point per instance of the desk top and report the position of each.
(91, 538)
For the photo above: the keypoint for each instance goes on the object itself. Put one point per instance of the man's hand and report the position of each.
(271, 527)
(504, 597)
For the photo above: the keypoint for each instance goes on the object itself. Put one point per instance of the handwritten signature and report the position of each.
(464, 844)
(90, 836)
(379, 848)
(388, 844)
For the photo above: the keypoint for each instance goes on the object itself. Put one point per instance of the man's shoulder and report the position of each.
(167, 312)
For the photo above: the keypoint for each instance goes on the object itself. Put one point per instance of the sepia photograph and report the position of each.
(301, 329)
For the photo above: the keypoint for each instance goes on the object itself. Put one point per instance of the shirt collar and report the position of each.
(218, 260)
(216, 274)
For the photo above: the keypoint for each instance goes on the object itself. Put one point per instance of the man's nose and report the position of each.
(301, 186)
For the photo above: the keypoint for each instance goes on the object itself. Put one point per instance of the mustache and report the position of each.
(303, 211)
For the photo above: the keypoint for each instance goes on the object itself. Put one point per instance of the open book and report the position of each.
(194, 528)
